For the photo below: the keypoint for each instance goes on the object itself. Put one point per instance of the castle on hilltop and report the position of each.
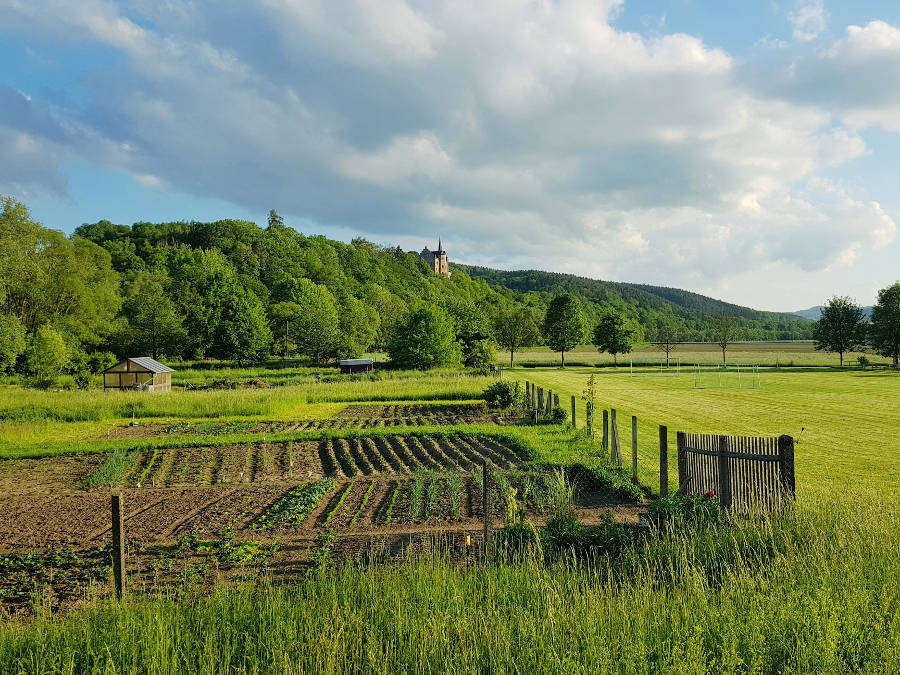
(437, 260)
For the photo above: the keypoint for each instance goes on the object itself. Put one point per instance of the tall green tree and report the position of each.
(283, 315)
(425, 339)
(725, 331)
(515, 328)
(317, 328)
(243, 332)
(12, 341)
(47, 355)
(884, 332)
(46, 277)
(564, 325)
(154, 324)
(472, 328)
(616, 334)
(667, 335)
(841, 328)
(358, 326)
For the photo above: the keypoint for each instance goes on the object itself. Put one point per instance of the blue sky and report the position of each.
(746, 150)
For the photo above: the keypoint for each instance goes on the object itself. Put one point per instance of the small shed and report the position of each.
(140, 372)
(357, 366)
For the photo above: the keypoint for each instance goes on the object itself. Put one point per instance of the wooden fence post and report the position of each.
(683, 478)
(573, 413)
(724, 483)
(616, 455)
(663, 461)
(634, 446)
(589, 418)
(540, 404)
(488, 516)
(118, 545)
(724, 472)
(527, 394)
(605, 428)
(533, 396)
(548, 402)
(786, 465)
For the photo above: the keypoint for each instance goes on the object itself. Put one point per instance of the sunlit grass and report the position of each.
(844, 421)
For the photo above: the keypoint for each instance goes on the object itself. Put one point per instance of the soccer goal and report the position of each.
(726, 376)
(654, 366)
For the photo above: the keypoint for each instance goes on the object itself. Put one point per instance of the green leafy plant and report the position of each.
(294, 506)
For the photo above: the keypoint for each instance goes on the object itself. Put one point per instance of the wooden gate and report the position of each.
(746, 473)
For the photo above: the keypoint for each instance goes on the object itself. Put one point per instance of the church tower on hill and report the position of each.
(437, 260)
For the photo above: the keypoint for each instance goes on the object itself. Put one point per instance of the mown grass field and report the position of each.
(848, 443)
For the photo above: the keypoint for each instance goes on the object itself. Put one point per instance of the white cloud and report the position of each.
(809, 21)
(527, 133)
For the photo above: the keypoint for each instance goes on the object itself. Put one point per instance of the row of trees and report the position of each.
(843, 326)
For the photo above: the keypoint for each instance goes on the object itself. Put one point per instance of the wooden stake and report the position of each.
(724, 484)
(488, 516)
(605, 428)
(616, 452)
(663, 461)
(786, 466)
(634, 446)
(118, 545)
(573, 413)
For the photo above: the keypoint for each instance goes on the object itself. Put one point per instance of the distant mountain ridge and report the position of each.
(646, 302)
(813, 313)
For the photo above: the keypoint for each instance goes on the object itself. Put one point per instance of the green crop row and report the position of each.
(295, 505)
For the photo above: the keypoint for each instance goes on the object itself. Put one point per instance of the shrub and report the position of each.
(863, 362)
(503, 394)
(480, 354)
(563, 530)
(517, 540)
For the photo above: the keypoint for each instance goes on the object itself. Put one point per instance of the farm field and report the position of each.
(782, 354)
(845, 421)
(309, 513)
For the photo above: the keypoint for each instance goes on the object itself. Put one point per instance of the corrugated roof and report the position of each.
(356, 362)
(145, 362)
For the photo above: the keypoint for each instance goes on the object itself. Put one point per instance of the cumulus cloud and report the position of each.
(809, 21)
(527, 134)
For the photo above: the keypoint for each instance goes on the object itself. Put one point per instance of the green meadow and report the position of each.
(844, 421)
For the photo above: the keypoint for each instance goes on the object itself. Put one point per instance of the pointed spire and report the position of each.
(439, 244)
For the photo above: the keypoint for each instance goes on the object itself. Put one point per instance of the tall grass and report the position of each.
(20, 404)
(815, 593)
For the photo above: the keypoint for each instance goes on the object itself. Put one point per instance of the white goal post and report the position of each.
(726, 376)
(655, 366)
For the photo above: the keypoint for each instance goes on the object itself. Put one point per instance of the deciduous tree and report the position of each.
(514, 328)
(725, 331)
(884, 333)
(47, 355)
(617, 334)
(563, 326)
(666, 336)
(841, 328)
(425, 339)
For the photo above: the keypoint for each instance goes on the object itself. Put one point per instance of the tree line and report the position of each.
(233, 290)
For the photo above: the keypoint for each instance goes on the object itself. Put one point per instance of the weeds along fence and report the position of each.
(745, 473)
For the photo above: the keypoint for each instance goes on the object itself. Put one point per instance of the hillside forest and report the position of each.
(233, 290)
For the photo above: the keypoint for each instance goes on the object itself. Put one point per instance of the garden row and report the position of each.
(280, 462)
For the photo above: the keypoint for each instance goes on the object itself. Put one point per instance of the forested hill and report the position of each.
(232, 289)
(646, 303)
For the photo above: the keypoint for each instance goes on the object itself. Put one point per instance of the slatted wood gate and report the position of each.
(746, 473)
